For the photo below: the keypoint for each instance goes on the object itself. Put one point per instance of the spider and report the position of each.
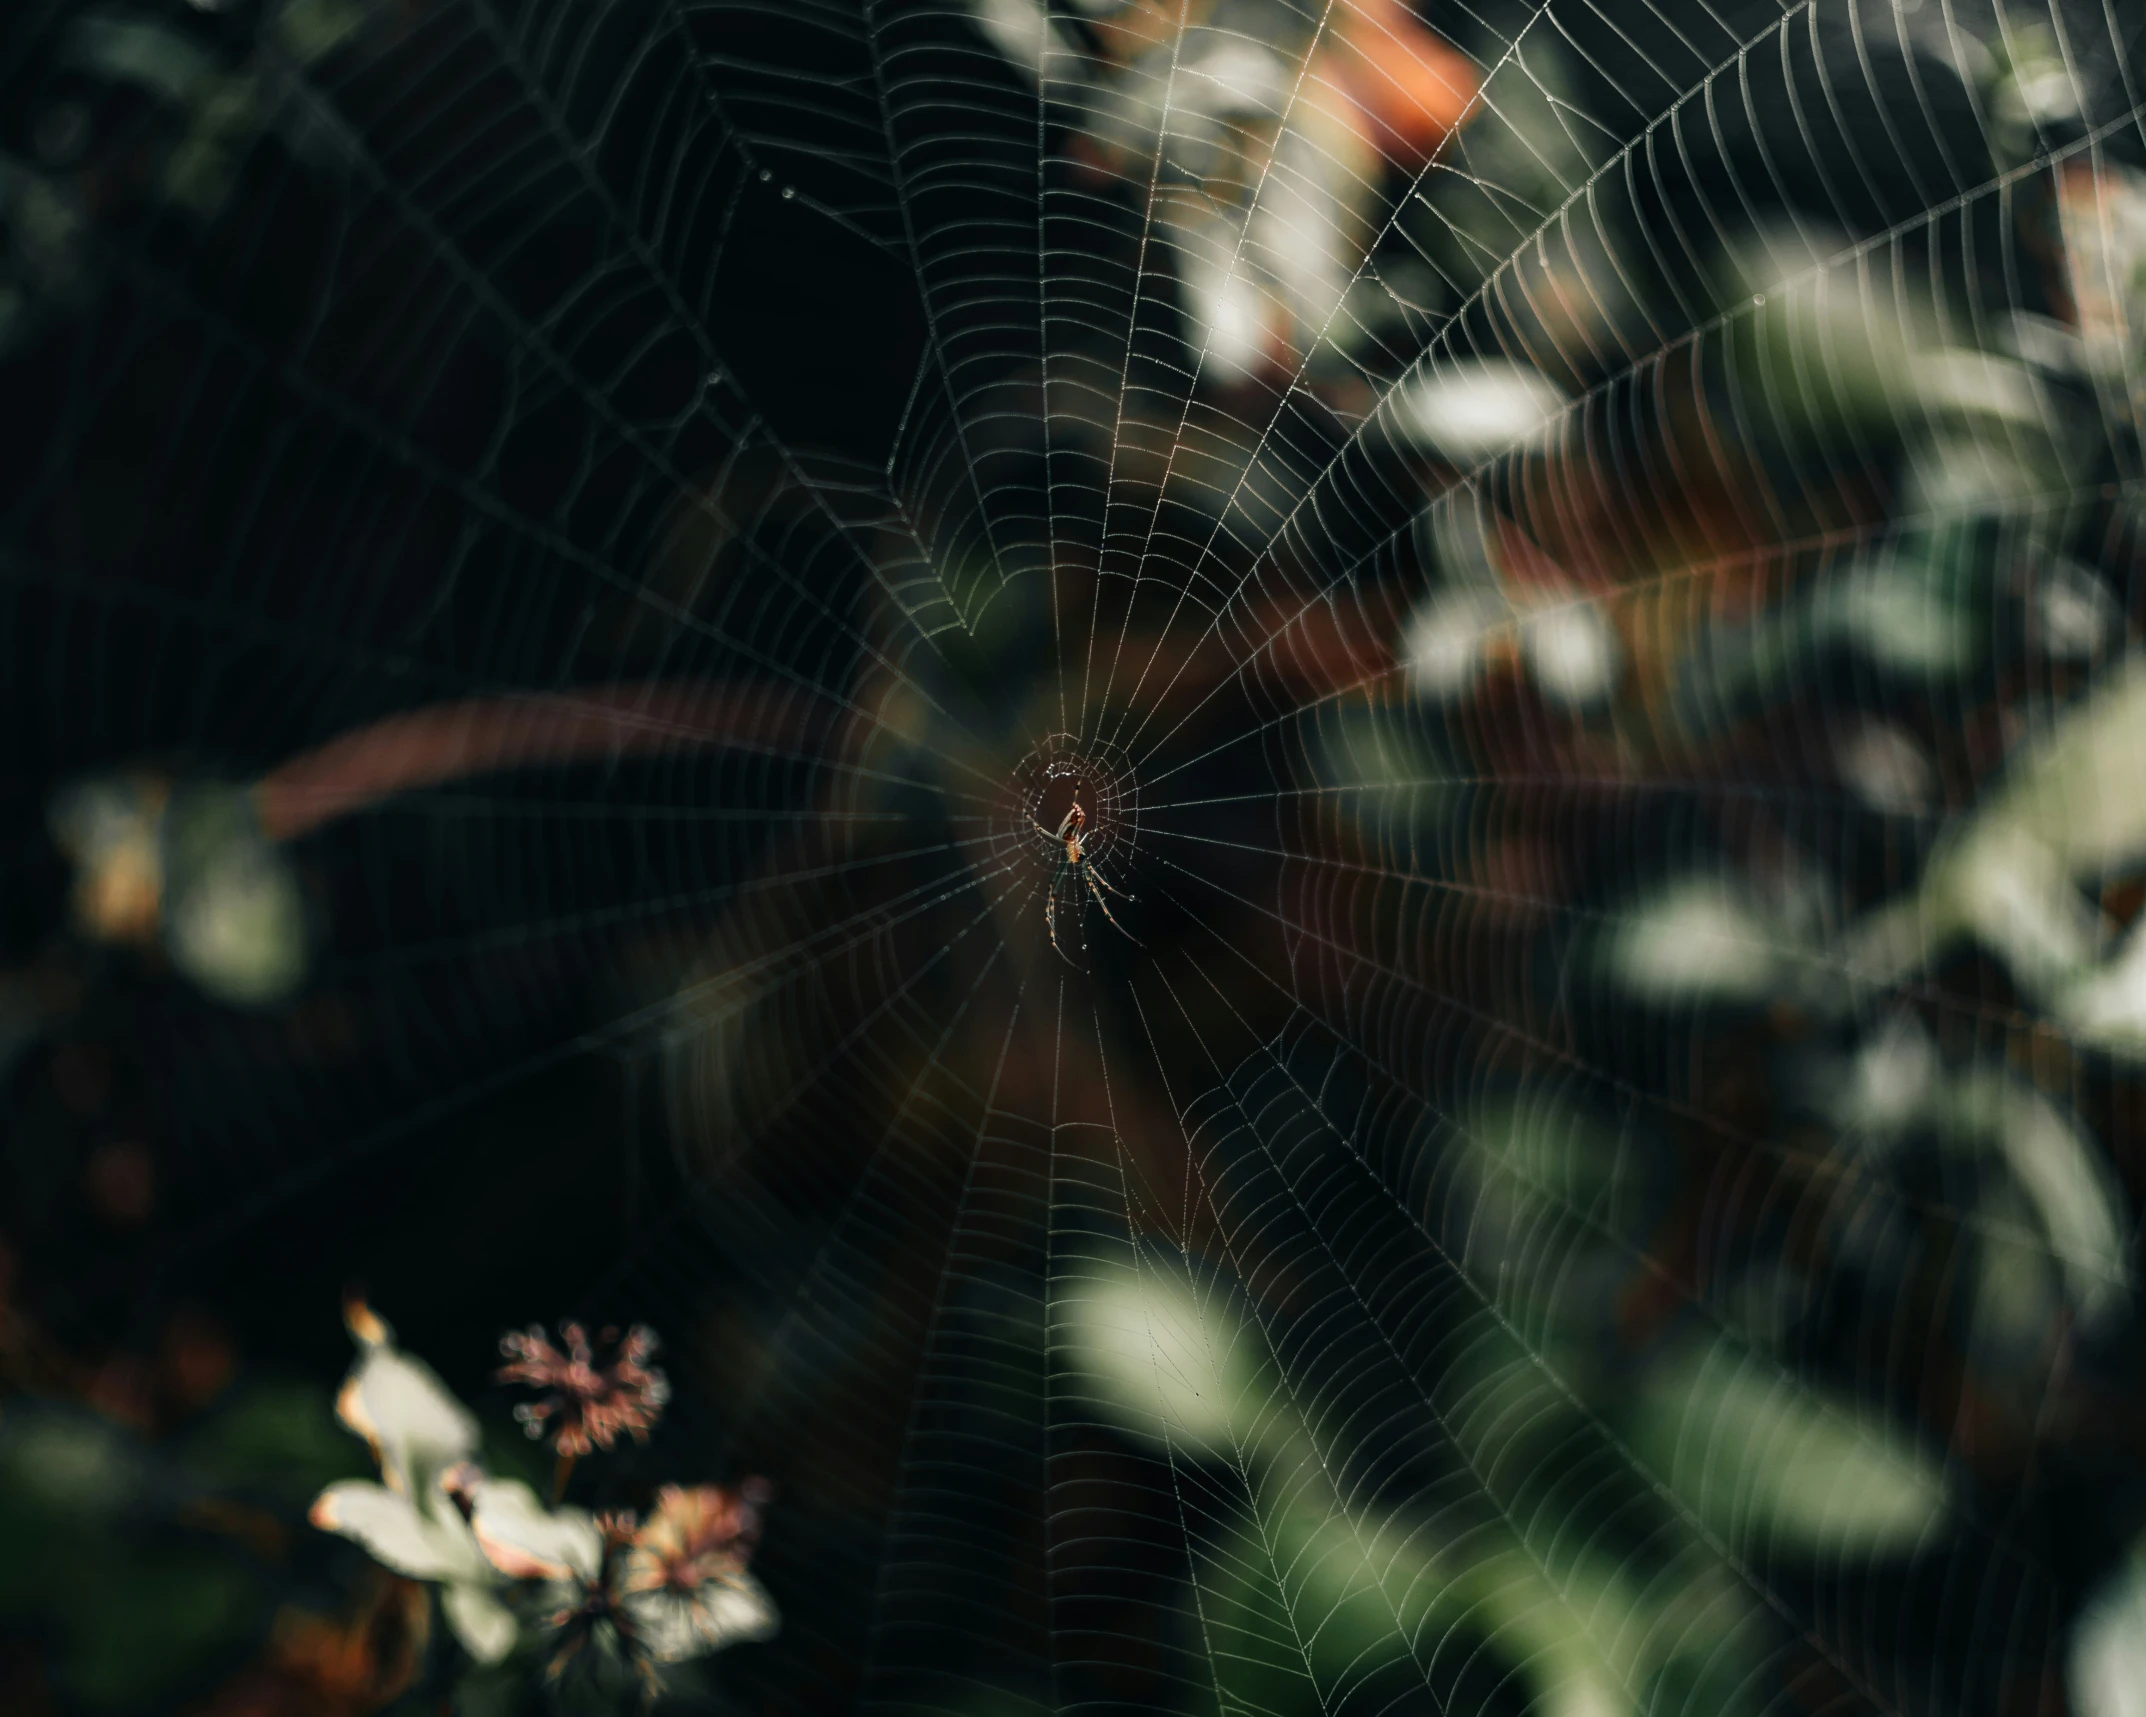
(1071, 834)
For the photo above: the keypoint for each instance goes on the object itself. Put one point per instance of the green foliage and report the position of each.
(94, 1553)
(275, 1439)
(1774, 1465)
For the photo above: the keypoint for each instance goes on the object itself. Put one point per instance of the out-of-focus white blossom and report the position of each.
(2073, 614)
(1165, 1352)
(2103, 211)
(111, 828)
(1890, 1082)
(1887, 769)
(1442, 645)
(1471, 410)
(2107, 1006)
(1890, 609)
(2107, 1657)
(2077, 1204)
(1572, 653)
(1023, 31)
(1699, 939)
(1566, 644)
(234, 916)
(188, 868)
(2072, 1208)
(2072, 805)
(1267, 131)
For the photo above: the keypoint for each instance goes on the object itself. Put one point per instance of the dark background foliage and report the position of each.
(366, 357)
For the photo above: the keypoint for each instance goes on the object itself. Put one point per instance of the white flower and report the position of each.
(413, 1523)
(524, 1540)
(1470, 411)
(683, 1581)
(673, 1589)
(1444, 642)
(189, 867)
(1572, 651)
(1696, 940)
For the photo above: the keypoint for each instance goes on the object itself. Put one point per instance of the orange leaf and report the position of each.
(1410, 86)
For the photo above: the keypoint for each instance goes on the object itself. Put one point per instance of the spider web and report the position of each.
(1524, 542)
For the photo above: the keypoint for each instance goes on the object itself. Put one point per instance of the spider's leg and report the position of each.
(1088, 875)
(1050, 906)
(1046, 833)
(1089, 867)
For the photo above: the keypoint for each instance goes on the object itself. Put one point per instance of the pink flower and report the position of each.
(684, 1576)
(585, 1405)
(697, 1535)
(647, 1594)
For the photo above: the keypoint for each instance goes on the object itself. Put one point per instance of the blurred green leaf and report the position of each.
(1391, 776)
(69, 1466)
(1308, 1605)
(1697, 940)
(1555, 1199)
(235, 920)
(2072, 804)
(312, 29)
(1772, 1463)
(2106, 1007)
(151, 1622)
(2108, 1644)
(2077, 1201)
(510, 1453)
(1168, 1357)
(493, 1690)
(1312, 1604)
(1542, 1144)
(1896, 610)
(83, 1554)
(281, 1439)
